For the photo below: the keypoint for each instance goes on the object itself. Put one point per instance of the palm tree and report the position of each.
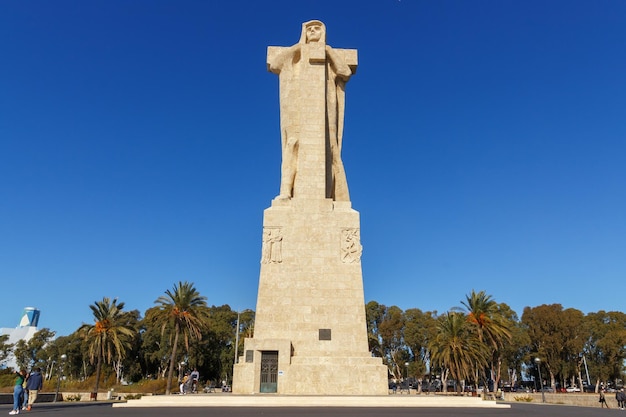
(483, 313)
(109, 337)
(184, 309)
(491, 327)
(456, 347)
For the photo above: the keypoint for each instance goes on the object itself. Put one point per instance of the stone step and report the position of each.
(262, 400)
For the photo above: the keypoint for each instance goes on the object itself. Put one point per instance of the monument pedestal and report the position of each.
(310, 334)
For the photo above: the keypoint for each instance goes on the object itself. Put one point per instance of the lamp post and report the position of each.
(59, 371)
(180, 371)
(406, 366)
(543, 395)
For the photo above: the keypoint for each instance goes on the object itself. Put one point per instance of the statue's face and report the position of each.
(313, 33)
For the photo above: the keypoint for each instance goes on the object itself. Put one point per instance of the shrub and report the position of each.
(525, 398)
(149, 386)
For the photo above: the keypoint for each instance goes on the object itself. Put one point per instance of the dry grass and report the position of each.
(148, 386)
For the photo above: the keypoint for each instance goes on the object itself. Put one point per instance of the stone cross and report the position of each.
(312, 78)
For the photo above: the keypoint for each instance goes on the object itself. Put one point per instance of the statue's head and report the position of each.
(313, 31)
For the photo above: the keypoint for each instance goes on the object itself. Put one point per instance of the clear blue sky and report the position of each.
(485, 146)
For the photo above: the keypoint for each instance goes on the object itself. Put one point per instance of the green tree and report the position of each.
(486, 320)
(456, 348)
(213, 355)
(419, 329)
(32, 352)
(391, 333)
(155, 349)
(184, 311)
(246, 328)
(109, 337)
(605, 345)
(385, 326)
(374, 316)
(21, 354)
(5, 348)
(129, 367)
(75, 348)
(516, 353)
(573, 332)
(555, 336)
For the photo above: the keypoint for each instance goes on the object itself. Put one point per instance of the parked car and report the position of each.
(432, 386)
(572, 389)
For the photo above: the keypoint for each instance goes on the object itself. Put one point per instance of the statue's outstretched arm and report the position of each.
(339, 65)
(276, 64)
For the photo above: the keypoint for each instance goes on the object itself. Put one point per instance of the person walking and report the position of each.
(183, 384)
(195, 377)
(24, 399)
(18, 390)
(34, 384)
(620, 396)
(602, 400)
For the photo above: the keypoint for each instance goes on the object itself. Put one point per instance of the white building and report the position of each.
(24, 331)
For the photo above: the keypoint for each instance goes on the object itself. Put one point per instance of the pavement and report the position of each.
(273, 400)
(105, 409)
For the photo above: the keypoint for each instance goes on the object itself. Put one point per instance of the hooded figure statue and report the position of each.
(293, 92)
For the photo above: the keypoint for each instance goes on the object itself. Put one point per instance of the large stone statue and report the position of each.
(310, 330)
(298, 67)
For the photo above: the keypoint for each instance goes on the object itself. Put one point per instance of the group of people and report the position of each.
(620, 396)
(27, 385)
(189, 383)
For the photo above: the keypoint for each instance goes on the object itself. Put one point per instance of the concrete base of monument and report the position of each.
(306, 375)
(273, 400)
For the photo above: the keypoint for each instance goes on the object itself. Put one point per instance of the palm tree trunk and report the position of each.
(170, 372)
(98, 368)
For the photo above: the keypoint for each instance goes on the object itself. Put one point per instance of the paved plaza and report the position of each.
(516, 410)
